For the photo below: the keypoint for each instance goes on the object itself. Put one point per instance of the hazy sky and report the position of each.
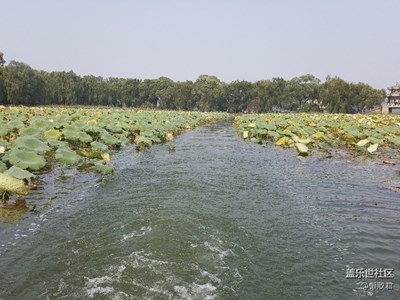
(357, 40)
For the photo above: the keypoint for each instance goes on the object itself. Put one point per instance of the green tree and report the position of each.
(302, 89)
(365, 97)
(183, 96)
(236, 96)
(207, 91)
(147, 93)
(279, 95)
(262, 96)
(23, 85)
(165, 92)
(336, 95)
(2, 79)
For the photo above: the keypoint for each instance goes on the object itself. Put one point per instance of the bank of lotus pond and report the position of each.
(356, 134)
(33, 139)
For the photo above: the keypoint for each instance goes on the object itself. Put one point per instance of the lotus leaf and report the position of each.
(67, 156)
(104, 168)
(94, 129)
(376, 141)
(154, 139)
(31, 132)
(305, 141)
(99, 147)
(3, 166)
(16, 124)
(106, 157)
(26, 159)
(32, 144)
(282, 141)
(362, 143)
(77, 135)
(114, 129)
(6, 157)
(20, 173)
(89, 153)
(272, 133)
(302, 149)
(52, 134)
(2, 149)
(169, 136)
(11, 184)
(395, 140)
(55, 144)
(372, 148)
(91, 122)
(109, 139)
(143, 140)
(3, 130)
(310, 131)
(262, 131)
(42, 123)
(124, 140)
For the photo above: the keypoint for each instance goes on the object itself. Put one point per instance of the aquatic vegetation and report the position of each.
(33, 139)
(360, 134)
(11, 184)
(67, 156)
(26, 159)
(19, 173)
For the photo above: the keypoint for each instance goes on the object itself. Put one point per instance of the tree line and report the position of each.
(22, 85)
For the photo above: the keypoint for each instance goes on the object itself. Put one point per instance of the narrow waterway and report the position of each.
(218, 218)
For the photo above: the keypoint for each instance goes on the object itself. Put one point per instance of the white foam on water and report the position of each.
(211, 276)
(96, 286)
(144, 230)
(220, 252)
(98, 280)
(155, 289)
(237, 274)
(182, 292)
(117, 270)
(140, 259)
(204, 290)
(99, 290)
(62, 285)
(196, 291)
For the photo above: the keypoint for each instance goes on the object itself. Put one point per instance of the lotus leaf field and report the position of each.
(33, 139)
(360, 135)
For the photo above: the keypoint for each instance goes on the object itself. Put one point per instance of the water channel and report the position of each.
(218, 218)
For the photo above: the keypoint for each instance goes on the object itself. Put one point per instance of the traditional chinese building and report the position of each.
(392, 102)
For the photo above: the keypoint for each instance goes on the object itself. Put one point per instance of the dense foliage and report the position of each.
(22, 85)
(33, 139)
(359, 134)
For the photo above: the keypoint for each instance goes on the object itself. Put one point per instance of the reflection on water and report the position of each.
(12, 211)
(218, 218)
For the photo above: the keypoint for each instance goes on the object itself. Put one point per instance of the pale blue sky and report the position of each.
(357, 40)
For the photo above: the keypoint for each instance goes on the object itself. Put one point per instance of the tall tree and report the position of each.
(23, 84)
(302, 89)
(207, 91)
(2, 79)
(236, 96)
(20, 84)
(262, 96)
(336, 95)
